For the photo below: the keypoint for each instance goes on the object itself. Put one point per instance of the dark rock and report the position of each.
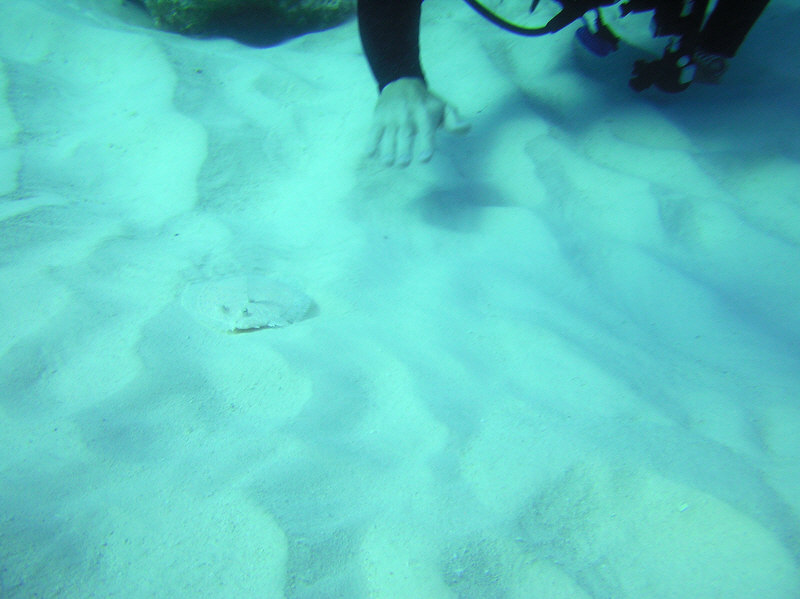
(254, 22)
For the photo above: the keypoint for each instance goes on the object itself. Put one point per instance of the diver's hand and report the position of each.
(406, 118)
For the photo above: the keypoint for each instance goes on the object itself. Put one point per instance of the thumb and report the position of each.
(453, 121)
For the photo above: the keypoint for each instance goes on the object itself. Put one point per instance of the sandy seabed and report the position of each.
(561, 360)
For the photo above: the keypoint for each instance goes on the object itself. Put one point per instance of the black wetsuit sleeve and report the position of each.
(729, 24)
(389, 32)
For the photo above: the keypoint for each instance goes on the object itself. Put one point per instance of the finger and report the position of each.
(426, 140)
(375, 136)
(388, 144)
(453, 121)
(428, 120)
(405, 142)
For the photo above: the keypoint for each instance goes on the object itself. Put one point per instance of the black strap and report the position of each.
(571, 11)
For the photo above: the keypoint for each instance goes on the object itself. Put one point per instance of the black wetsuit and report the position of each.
(390, 33)
(728, 25)
(390, 36)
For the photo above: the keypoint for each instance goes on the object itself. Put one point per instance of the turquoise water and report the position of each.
(560, 360)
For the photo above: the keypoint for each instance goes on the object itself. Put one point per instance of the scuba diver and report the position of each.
(407, 113)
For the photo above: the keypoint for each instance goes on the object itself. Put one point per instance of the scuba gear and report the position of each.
(600, 41)
(679, 19)
(710, 67)
(673, 73)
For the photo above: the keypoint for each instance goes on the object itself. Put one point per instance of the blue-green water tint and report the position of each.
(561, 358)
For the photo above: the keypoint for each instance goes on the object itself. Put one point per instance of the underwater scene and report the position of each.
(279, 318)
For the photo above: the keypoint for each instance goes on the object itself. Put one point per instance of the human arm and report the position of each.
(407, 114)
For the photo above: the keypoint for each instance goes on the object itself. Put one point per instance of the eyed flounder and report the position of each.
(242, 303)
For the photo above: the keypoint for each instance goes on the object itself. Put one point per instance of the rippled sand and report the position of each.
(560, 360)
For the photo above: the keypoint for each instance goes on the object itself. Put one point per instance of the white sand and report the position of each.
(561, 360)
